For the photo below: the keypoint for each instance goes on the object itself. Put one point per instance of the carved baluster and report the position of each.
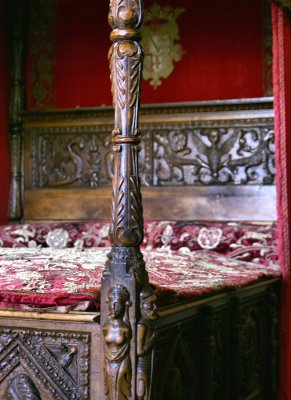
(16, 106)
(126, 320)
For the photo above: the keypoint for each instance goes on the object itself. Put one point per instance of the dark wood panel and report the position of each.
(227, 148)
(223, 345)
(163, 203)
(209, 160)
(32, 349)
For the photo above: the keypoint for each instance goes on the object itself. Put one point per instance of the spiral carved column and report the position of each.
(127, 300)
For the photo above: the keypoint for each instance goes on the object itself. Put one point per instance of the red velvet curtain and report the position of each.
(4, 82)
(282, 104)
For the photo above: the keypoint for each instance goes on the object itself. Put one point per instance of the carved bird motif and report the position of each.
(77, 162)
(217, 154)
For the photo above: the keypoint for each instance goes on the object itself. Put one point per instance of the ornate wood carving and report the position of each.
(21, 387)
(214, 156)
(117, 334)
(39, 353)
(177, 369)
(71, 158)
(171, 154)
(146, 337)
(126, 64)
(125, 278)
(17, 101)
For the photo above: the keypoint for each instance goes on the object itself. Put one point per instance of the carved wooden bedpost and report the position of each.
(127, 300)
(17, 100)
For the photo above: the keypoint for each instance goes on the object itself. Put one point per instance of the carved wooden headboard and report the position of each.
(207, 160)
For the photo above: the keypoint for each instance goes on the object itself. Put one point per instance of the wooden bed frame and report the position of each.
(70, 162)
(220, 346)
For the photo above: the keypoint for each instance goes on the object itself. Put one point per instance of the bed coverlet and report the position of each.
(71, 277)
(60, 265)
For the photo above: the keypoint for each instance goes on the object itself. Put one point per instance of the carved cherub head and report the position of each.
(118, 299)
(213, 136)
(148, 300)
(179, 141)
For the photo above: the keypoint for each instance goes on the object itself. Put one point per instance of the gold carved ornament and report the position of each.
(160, 33)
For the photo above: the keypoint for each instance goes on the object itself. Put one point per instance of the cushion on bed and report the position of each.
(245, 241)
(240, 240)
(57, 235)
(71, 277)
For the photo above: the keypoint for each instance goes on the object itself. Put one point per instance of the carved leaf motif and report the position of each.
(117, 78)
(228, 144)
(135, 79)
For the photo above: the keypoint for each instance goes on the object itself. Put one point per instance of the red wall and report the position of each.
(4, 80)
(82, 43)
(222, 43)
(223, 58)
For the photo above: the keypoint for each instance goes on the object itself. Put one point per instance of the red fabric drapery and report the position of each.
(282, 104)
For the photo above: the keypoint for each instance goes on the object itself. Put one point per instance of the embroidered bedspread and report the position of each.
(60, 265)
(71, 277)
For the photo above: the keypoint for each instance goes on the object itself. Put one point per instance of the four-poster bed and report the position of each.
(199, 341)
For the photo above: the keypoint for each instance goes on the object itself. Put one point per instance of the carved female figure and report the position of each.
(146, 336)
(117, 335)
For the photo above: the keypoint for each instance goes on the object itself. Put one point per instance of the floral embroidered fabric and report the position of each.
(245, 241)
(65, 277)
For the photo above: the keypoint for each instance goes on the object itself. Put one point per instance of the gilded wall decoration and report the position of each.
(42, 53)
(160, 35)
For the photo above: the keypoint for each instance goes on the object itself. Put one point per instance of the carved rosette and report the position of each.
(126, 67)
